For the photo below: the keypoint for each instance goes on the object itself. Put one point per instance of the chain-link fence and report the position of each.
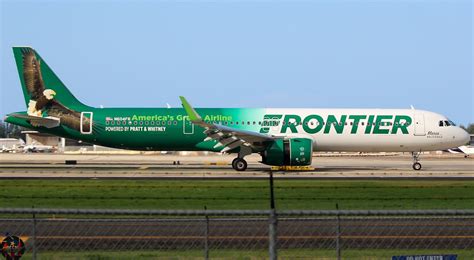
(138, 234)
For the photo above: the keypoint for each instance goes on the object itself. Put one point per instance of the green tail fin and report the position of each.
(36, 77)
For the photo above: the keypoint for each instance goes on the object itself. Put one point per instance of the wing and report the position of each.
(228, 137)
(32, 74)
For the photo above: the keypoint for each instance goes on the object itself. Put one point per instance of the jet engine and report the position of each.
(289, 152)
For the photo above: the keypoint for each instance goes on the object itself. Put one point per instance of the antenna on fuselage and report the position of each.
(168, 105)
(412, 107)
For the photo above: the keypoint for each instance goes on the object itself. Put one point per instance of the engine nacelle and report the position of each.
(289, 152)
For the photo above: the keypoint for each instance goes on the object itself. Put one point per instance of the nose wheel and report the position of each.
(416, 164)
(239, 164)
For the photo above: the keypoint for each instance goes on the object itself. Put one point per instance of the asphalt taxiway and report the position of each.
(218, 166)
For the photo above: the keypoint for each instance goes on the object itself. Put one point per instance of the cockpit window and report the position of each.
(446, 123)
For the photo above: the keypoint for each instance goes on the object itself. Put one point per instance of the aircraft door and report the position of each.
(188, 126)
(86, 122)
(419, 123)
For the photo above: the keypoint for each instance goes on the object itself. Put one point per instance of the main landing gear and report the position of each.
(416, 164)
(239, 164)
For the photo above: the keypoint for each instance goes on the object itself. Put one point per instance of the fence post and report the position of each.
(338, 234)
(34, 237)
(206, 235)
(272, 232)
(272, 229)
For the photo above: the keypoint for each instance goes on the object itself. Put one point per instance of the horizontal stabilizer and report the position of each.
(48, 122)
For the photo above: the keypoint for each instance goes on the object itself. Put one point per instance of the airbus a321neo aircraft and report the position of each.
(282, 136)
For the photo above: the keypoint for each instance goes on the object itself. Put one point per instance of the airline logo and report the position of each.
(312, 124)
(270, 121)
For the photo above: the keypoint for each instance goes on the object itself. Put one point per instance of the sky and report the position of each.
(321, 54)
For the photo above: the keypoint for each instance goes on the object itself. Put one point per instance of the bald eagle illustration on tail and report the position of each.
(42, 102)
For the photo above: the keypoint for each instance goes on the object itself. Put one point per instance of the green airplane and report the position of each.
(282, 136)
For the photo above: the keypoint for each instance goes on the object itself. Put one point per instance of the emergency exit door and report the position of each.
(188, 126)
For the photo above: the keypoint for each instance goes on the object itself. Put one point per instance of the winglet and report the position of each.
(193, 115)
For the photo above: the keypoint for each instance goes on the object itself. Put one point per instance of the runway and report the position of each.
(218, 167)
(247, 233)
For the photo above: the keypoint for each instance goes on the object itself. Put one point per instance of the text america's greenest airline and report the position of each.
(282, 136)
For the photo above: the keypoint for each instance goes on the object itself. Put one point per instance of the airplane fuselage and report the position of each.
(351, 130)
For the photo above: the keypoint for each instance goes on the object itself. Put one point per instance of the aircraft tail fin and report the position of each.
(40, 84)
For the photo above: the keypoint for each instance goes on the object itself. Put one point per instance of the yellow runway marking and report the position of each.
(292, 168)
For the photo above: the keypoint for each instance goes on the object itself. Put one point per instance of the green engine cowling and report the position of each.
(289, 152)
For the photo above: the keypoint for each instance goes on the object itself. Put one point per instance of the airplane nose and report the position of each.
(464, 136)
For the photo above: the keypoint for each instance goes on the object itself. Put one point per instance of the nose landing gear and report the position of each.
(416, 164)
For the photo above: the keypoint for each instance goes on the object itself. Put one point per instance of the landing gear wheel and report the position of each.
(416, 158)
(239, 164)
(417, 166)
(233, 162)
